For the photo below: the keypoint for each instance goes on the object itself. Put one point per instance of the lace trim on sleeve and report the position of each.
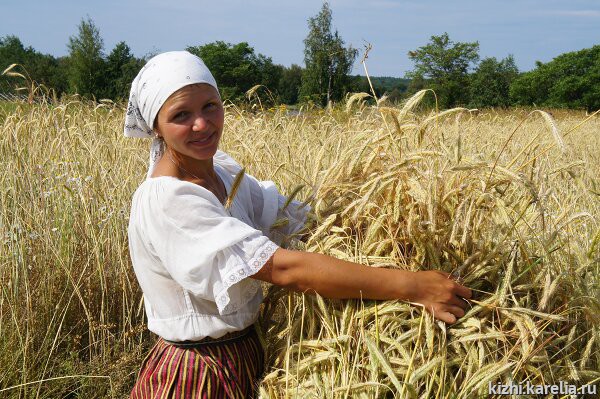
(242, 271)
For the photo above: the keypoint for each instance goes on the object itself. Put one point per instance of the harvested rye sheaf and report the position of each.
(507, 223)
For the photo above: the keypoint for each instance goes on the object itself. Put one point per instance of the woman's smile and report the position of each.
(202, 142)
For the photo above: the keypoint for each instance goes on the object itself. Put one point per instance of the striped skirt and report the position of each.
(229, 369)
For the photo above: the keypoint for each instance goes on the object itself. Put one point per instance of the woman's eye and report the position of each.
(180, 115)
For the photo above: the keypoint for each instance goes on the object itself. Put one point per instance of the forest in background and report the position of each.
(453, 70)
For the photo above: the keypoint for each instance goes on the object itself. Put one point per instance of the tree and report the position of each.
(41, 68)
(121, 69)
(391, 87)
(12, 51)
(237, 68)
(86, 61)
(490, 83)
(328, 62)
(444, 67)
(289, 84)
(571, 80)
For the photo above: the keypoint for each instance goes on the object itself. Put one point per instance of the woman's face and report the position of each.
(191, 121)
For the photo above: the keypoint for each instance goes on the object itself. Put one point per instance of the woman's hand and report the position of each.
(440, 295)
(335, 278)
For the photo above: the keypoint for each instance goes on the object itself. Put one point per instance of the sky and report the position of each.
(530, 30)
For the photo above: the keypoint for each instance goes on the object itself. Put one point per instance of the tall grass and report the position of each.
(507, 200)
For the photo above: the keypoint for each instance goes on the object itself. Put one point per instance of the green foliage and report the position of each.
(443, 66)
(289, 84)
(328, 62)
(571, 80)
(490, 83)
(84, 71)
(41, 68)
(388, 83)
(86, 61)
(121, 69)
(237, 68)
(392, 87)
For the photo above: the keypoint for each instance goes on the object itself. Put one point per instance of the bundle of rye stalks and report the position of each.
(517, 223)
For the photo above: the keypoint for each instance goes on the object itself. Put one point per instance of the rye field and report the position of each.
(508, 200)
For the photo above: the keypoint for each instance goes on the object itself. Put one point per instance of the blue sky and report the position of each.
(530, 30)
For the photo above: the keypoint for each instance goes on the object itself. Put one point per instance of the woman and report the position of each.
(199, 263)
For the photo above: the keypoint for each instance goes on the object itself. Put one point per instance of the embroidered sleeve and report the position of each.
(206, 251)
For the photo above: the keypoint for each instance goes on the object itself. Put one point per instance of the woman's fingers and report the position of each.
(458, 302)
(446, 317)
(444, 312)
(455, 310)
(463, 291)
(459, 289)
(445, 298)
(448, 313)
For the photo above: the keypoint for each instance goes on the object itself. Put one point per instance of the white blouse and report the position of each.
(192, 257)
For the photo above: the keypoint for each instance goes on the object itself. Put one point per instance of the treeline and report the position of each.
(458, 77)
(453, 70)
(88, 71)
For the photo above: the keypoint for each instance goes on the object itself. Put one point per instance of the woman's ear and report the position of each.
(155, 129)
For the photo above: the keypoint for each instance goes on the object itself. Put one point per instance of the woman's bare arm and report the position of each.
(335, 278)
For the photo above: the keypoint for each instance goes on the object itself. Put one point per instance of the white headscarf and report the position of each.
(162, 76)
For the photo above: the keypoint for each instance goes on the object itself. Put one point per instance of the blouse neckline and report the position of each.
(218, 169)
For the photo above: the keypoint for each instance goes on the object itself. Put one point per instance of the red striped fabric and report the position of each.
(217, 370)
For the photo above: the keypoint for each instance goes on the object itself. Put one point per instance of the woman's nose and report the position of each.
(200, 123)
